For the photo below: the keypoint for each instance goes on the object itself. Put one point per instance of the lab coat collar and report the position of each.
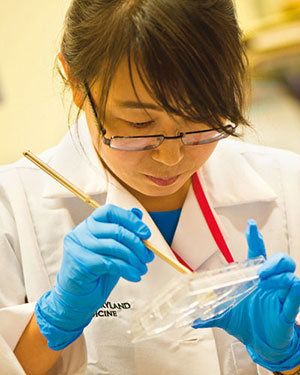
(75, 159)
(119, 196)
(228, 179)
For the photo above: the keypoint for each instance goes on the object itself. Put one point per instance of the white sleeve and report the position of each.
(8, 362)
(19, 257)
(290, 170)
(13, 321)
(14, 312)
(263, 371)
(12, 289)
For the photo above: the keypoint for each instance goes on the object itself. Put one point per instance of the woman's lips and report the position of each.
(162, 181)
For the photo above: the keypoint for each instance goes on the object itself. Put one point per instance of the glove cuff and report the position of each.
(292, 361)
(62, 316)
(57, 338)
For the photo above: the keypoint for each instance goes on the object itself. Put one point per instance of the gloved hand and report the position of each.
(265, 320)
(97, 252)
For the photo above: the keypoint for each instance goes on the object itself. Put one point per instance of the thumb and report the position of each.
(219, 320)
(256, 246)
(291, 305)
(210, 323)
(137, 212)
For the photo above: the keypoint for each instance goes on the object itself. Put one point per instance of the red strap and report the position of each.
(210, 219)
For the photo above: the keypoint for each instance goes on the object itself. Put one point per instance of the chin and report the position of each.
(160, 191)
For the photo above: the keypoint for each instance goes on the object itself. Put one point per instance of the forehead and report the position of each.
(122, 89)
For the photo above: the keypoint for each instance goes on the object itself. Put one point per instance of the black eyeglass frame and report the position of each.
(160, 137)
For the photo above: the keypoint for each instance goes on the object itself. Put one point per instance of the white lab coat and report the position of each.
(241, 181)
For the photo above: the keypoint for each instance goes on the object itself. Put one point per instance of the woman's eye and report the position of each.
(140, 124)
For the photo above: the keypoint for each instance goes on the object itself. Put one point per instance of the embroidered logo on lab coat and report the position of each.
(111, 309)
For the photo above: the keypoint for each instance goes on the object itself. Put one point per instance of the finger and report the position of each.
(126, 218)
(216, 321)
(278, 281)
(256, 246)
(117, 268)
(219, 320)
(278, 263)
(119, 234)
(198, 323)
(137, 212)
(122, 269)
(292, 302)
(117, 251)
(91, 261)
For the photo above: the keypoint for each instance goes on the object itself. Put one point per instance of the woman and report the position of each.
(160, 84)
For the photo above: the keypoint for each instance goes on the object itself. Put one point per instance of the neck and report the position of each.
(167, 203)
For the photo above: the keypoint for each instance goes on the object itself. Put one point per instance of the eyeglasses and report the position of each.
(150, 142)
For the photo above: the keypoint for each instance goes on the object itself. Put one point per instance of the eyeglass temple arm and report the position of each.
(91, 101)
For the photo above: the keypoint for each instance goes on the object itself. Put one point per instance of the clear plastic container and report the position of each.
(201, 295)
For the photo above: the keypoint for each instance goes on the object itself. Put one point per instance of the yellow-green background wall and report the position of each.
(32, 112)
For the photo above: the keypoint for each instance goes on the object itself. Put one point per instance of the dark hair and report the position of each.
(188, 53)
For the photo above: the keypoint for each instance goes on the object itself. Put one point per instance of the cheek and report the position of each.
(124, 163)
(121, 162)
(198, 155)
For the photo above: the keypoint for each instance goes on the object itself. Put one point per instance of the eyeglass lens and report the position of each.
(139, 143)
(193, 139)
(147, 143)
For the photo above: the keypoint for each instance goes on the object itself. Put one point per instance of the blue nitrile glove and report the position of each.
(265, 320)
(97, 252)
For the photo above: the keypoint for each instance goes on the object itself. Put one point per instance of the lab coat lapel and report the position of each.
(193, 241)
(118, 195)
(75, 159)
(228, 180)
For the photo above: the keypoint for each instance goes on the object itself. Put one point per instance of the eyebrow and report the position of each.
(138, 105)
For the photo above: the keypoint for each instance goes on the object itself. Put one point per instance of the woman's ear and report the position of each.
(78, 95)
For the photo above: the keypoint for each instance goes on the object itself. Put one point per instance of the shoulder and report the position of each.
(245, 148)
(262, 157)
(238, 172)
(278, 169)
(22, 172)
(74, 158)
(265, 178)
(21, 187)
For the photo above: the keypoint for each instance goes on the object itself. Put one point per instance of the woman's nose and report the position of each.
(169, 153)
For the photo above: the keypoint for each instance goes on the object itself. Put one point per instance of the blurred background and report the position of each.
(34, 111)
(272, 36)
